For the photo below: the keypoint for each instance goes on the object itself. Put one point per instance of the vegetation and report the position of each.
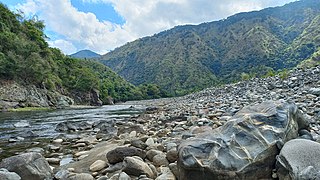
(25, 57)
(254, 44)
(314, 60)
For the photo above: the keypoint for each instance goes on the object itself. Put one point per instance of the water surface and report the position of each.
(43, 124)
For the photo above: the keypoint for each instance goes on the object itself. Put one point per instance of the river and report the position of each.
(37, 128)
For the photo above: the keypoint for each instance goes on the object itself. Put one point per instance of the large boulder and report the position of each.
(28, 166)
(245, 147)
(299, 159)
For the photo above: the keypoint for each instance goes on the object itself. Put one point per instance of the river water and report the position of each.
(39, 126)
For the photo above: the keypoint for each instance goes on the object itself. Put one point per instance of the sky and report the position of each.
(103, 25)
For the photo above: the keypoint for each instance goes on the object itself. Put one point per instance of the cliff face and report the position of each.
(14, 95)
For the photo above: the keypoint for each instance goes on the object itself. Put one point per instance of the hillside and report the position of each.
(83, 54)
(192, 57)
(33, 74)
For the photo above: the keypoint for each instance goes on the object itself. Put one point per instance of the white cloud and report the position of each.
(66, 46)
(143, 17)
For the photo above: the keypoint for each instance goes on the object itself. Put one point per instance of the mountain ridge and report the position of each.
(192, 57)
(83, 54)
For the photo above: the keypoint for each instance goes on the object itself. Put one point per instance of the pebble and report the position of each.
(57, 141)
(53, 160)
(97, 165)
(79, 145)
(78, 154)
(150, 142)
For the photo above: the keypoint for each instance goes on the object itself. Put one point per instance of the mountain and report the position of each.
(192, 57)
(26, 61)
(83, 54)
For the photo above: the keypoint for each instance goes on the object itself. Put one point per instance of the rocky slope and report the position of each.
(153, 145)
(193, 57)
(14, 95)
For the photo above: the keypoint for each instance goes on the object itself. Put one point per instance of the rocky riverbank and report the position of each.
(14, 95)
(238, 131)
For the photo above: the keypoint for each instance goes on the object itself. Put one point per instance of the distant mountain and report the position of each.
(85, 54)
(192, 57)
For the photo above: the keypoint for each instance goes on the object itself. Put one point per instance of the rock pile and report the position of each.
(237, 131)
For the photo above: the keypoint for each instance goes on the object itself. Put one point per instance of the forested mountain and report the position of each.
(26, 58)
(191, 57)
(83, 54)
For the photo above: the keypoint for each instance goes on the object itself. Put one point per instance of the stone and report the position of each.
(28, 166)
(172, 155)
(150, 142)
(78, 154)
(123, 129)
(57, 141)
(22, 124)
(106, 131)
(133, 134)
(53, 147)
(12, 140)
(151, 109)
(136, 167)
(73, 126)
(138, 144)
(174, 169)
(80, 176)
(97, 165)
(79, 145)
(118, 154)
(152, 152)
(53, 160)
(87, 140)
(124, 176)
(160, 160)
(103, 178)
(30, 134)
(114, 167)
(61, 174)
(36, 150)
(170, 146)
(250, 139)
(6, 175)
(166, 174)
(315, 91)
(299, 159)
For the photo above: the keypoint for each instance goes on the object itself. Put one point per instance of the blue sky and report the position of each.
(102, 25)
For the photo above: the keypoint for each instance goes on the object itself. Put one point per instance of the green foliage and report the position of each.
(283, 74)
(26, 57)
(313, 61)
(245, 76)
(270, 73)
(188, 58)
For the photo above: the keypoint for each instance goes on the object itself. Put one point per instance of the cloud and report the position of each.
(66, 46)
(79, 29)
(142, 18)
